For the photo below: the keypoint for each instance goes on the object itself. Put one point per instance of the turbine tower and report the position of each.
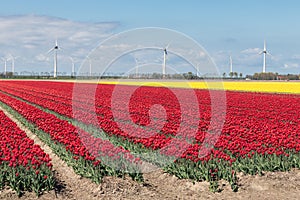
(5, 65)
(136, 68)
(55, 49)
(164, 62)
(265, 52)
(90, 66)
(73, 66)
(13, 62)
(198, 70)
(230, 62)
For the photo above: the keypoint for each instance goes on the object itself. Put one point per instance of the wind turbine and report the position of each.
(13, 63)
(136, 68)
(55, 49)
(230, 63)
(198, 70)
(4, 59)
(265, 52)
(90, 63)
(73, 66)
(165, 59)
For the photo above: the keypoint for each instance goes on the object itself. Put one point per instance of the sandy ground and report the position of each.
(158, 185)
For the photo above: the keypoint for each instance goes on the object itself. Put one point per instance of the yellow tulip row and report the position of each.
(251, 86)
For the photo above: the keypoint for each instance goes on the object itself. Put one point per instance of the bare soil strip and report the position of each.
(157, 185)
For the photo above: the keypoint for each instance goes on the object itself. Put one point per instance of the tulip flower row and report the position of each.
(24, 166)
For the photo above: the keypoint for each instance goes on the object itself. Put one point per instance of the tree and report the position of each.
(265, 76)
(156, 76)
(224, 75)
(231, 74)
(189, 76)
(235, 74)
(241, 75)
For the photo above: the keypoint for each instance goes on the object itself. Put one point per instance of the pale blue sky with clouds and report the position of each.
(223, 28)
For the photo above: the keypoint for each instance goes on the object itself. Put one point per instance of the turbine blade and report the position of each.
(168, 45)
(52, 49)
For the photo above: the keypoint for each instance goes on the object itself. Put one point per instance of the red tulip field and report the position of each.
(24, 165)
(105, 134)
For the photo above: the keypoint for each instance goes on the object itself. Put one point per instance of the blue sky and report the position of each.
(223, 28)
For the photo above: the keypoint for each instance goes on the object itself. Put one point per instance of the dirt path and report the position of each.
(158, 185)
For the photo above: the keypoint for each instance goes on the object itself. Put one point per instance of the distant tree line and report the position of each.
(6, 75)
(272, 76)
(178, 76)
(188, 75)
(233, 75)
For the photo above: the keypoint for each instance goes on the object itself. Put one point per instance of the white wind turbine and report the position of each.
(198, 70)
(73, 66)
(55, 49)
(90, 66)
(13, 62)
(165, 60)
(4, 59)
(230, 63)
(136, 68)
(265, 52)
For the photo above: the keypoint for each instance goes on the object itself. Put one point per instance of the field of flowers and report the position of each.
(24, 166)
(250, 86)
(260, 132)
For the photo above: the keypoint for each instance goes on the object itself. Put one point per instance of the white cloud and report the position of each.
(251, 51)
(291, 65)
(31, 36)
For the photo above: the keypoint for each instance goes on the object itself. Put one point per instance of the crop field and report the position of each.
(105, 133)
(24, 165)
(250, 86)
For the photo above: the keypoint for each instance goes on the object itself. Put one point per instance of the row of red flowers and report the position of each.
(23, 164)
